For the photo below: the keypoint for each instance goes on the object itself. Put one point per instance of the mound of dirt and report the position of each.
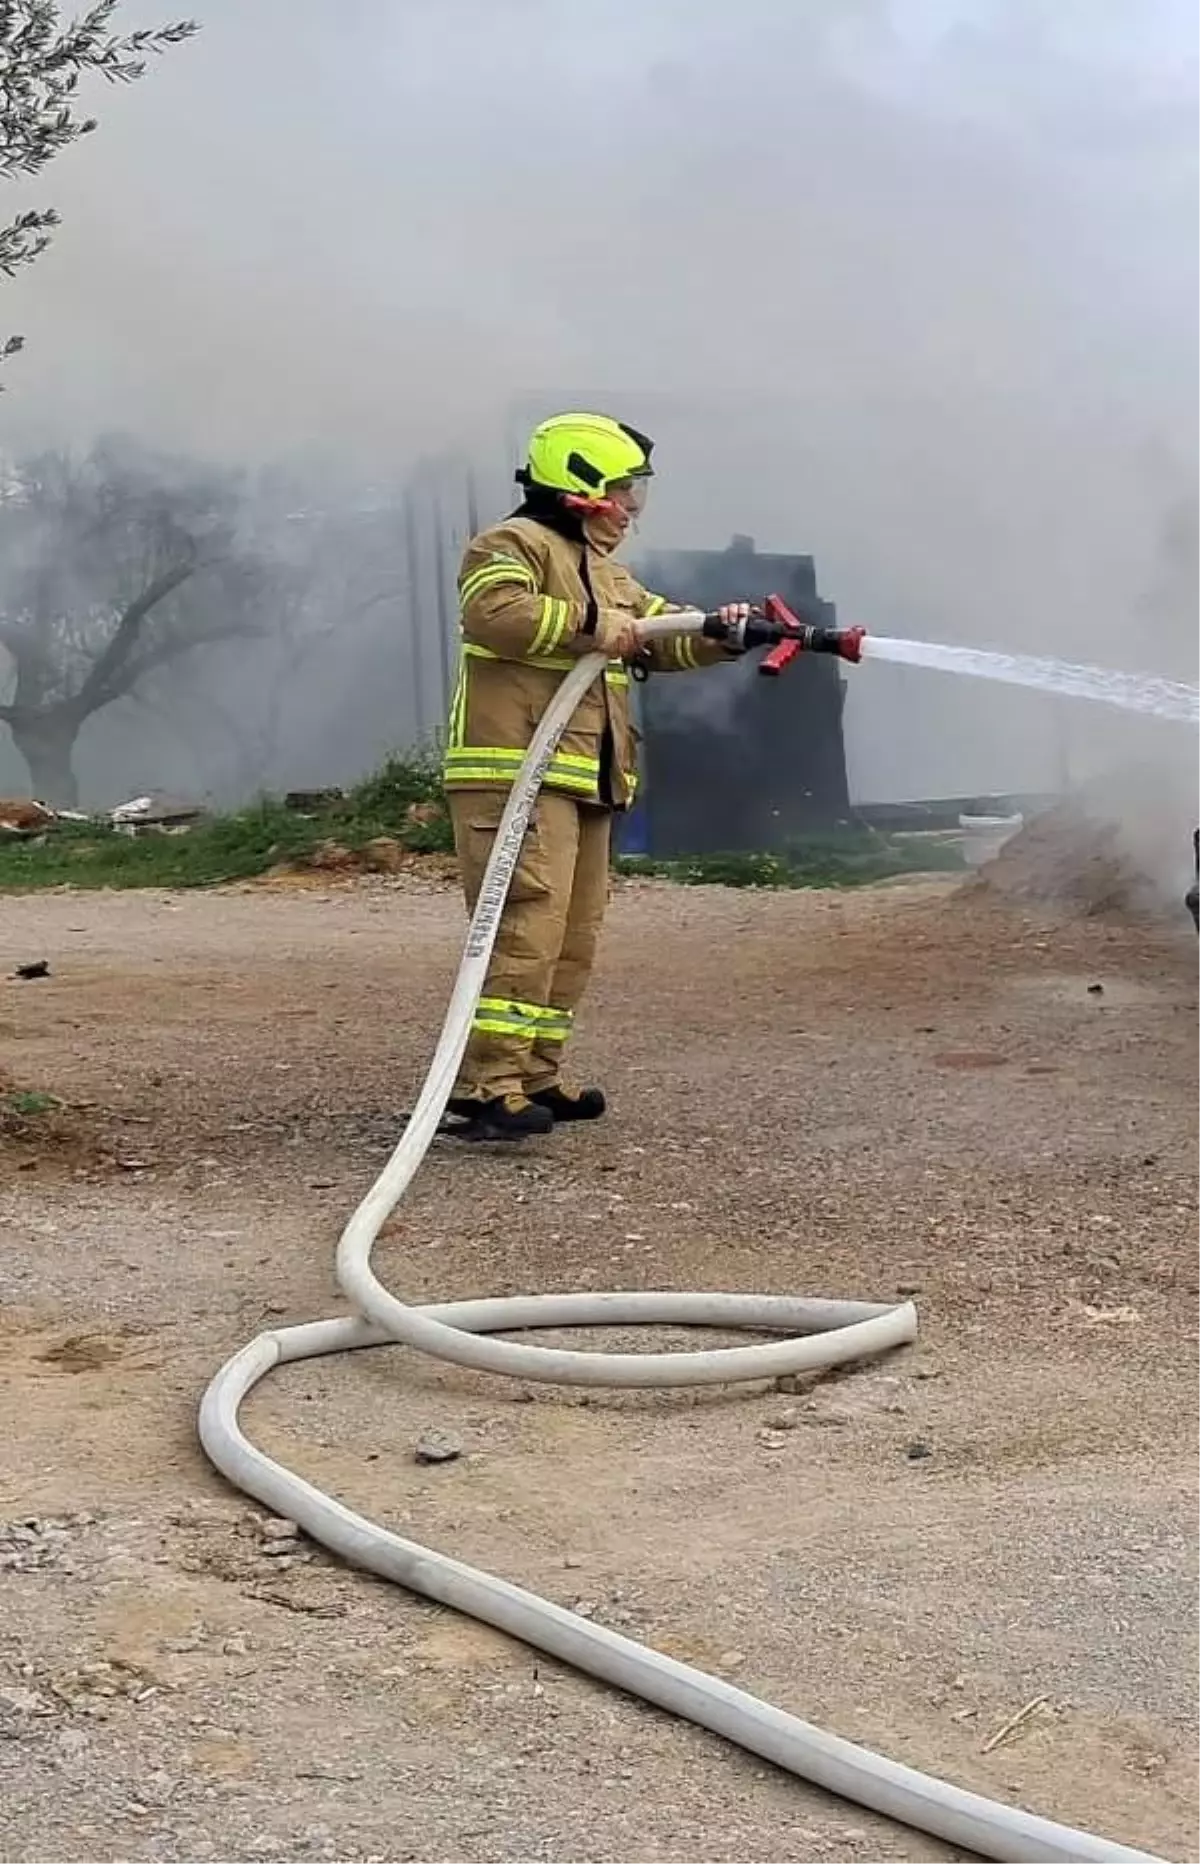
(1077, 863)
(332, 860)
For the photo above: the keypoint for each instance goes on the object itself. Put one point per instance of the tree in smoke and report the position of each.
(41, 63)
(265, 714)
(111, 567)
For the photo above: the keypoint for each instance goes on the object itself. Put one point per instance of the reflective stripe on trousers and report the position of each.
(532, 1022)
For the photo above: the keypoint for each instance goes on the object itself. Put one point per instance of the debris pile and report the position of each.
(383, 855)
(1080, 862)
(156, 814)
(21, 817)
(24, 818)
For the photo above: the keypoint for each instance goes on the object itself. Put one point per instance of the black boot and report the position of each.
(508, 1117)
(567, 1103)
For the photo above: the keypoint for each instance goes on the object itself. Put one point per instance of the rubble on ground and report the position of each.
(156, 814)
(24, 818)
(21, 817)
(330, 857)
(384, 856)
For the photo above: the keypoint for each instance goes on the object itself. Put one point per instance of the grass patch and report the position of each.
(240, 846)
(39, 1130)
(28, 1105)
(403, 801)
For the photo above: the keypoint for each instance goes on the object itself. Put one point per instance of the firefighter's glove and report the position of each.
(617, 635)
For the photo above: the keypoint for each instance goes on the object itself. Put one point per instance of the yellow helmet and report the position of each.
(581, 455)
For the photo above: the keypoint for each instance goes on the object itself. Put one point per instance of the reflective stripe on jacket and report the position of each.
(529, 601)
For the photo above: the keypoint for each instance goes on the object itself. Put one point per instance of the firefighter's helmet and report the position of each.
(584, 455)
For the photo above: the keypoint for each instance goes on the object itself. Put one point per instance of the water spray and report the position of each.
(777, 628)
(1130, 692)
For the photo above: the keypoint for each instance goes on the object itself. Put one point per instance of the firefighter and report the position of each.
(535, 592)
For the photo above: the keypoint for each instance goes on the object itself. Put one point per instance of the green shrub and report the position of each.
(389, 792)
(404, 799)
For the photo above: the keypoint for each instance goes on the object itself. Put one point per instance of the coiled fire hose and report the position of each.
(818, 1334)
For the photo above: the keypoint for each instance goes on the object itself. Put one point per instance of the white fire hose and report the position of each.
(818, 1334)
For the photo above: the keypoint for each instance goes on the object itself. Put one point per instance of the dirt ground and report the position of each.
(891, 1091)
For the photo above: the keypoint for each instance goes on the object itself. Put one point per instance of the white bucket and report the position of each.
(984, 836)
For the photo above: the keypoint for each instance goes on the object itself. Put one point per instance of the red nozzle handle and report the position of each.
(776, 609)
(779, 657)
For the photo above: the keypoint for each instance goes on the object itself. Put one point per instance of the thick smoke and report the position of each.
(911, 287)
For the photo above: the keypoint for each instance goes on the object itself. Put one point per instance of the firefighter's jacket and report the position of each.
(531, 602)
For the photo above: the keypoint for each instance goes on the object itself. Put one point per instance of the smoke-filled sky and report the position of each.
(368, 224)
(911, 286)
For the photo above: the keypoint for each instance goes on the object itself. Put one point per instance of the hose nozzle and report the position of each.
(785, 634)
(846, 643)
(802, 637)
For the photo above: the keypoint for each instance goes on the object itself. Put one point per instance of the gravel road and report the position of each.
(904, 1089)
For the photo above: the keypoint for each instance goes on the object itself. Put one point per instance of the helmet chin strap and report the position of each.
(593, 507)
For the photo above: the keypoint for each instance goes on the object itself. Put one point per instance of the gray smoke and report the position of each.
(911, 287)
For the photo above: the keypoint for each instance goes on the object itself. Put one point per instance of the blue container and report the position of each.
(633, 831)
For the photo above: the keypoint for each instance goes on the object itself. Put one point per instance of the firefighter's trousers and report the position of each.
(546, 941)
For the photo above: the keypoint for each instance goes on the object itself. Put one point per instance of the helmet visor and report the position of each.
(629, 494)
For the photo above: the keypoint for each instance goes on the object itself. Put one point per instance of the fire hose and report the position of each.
(817, 1334)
